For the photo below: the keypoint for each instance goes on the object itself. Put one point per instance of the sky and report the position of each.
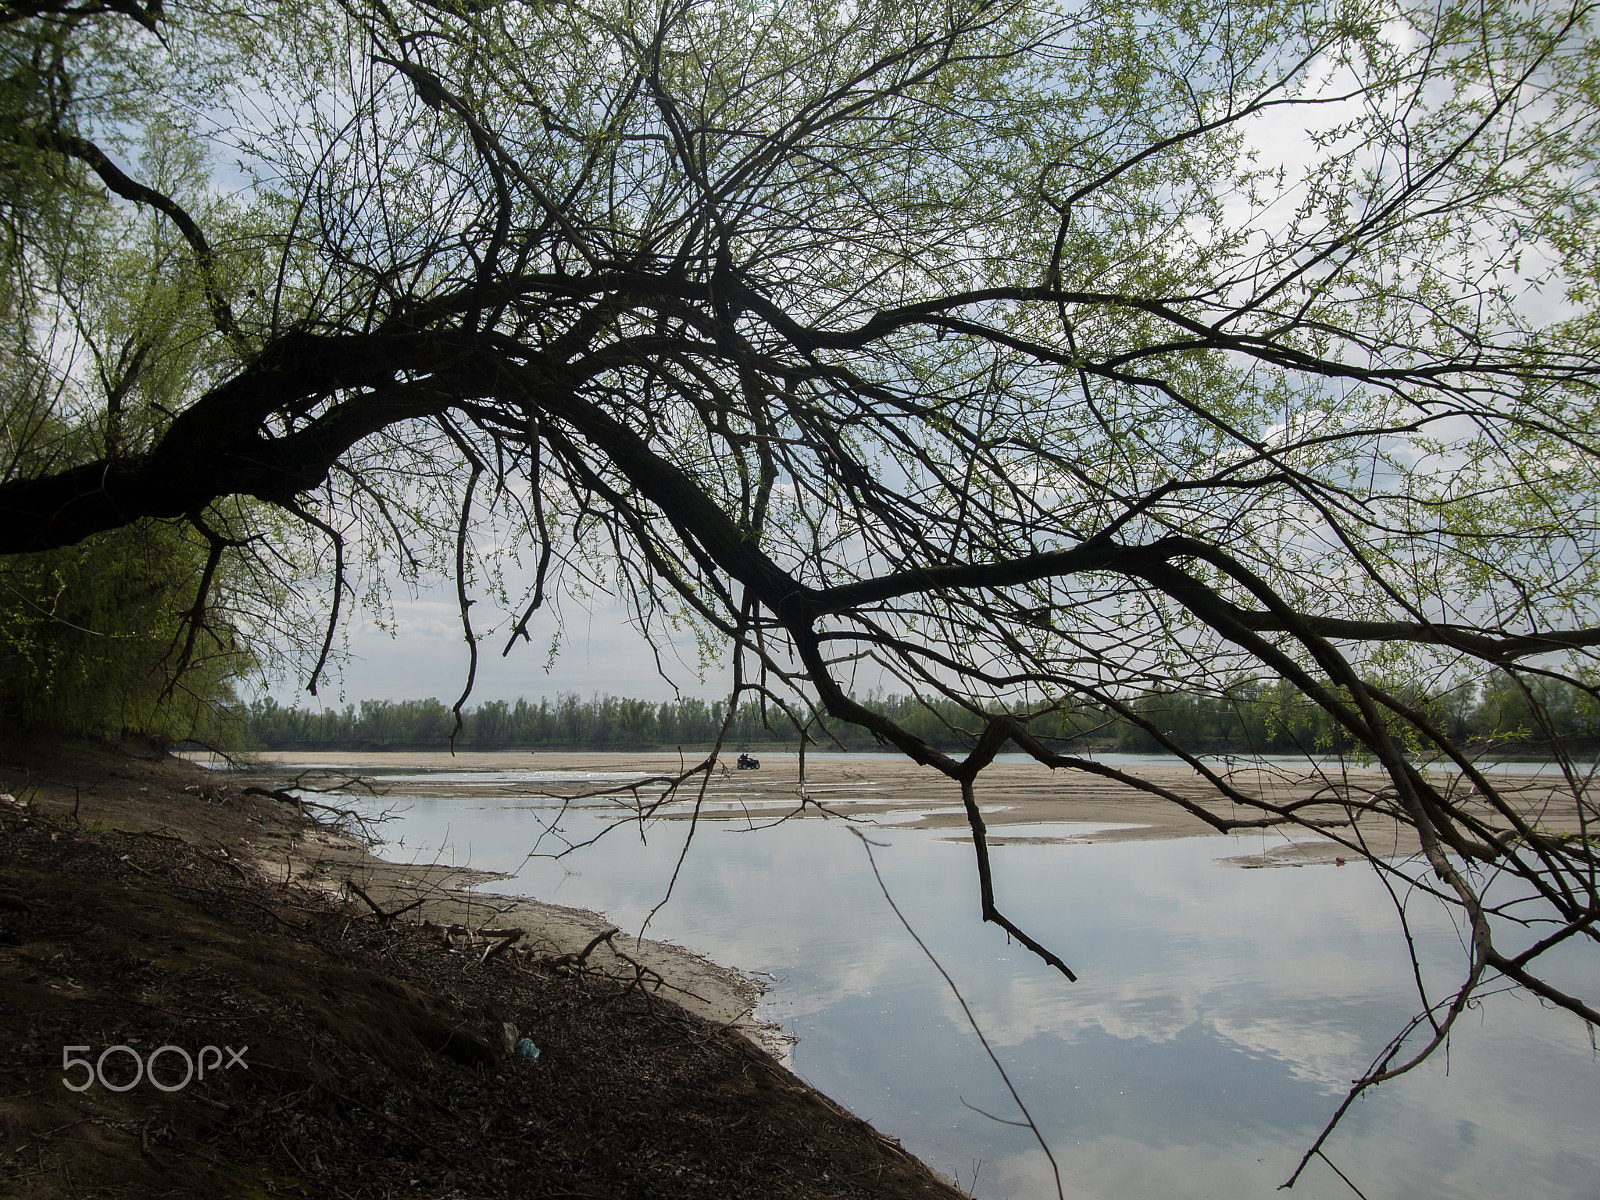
(426, 655)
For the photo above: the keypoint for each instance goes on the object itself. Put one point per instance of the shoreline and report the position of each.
(150, 904)
(443, 898)
(1009, 793)
(1585, 752)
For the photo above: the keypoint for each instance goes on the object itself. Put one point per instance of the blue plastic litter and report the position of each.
(527, 1049)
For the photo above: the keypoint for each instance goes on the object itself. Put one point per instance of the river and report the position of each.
(1219, 1017)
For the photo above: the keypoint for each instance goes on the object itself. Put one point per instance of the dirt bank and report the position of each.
(144, 915)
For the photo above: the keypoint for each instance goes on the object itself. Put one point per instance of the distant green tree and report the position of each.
(1523, 709)
(490, 725)
(430, 722)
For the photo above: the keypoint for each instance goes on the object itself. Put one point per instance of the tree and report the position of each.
(103, 336)
(1037, 357)
(89, 636)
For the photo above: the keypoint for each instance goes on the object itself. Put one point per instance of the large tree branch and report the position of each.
(1105, 555)
(147, 15)
(220, 445)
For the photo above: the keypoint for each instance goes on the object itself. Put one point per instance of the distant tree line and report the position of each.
(1252, 718)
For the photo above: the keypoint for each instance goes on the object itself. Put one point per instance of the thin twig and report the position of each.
(1027, 1120)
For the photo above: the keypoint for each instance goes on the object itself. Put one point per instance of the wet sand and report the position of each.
(1008, 793)
(445, 897)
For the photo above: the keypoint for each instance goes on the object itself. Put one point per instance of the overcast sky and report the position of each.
(427, 656)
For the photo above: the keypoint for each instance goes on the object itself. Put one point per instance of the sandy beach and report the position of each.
(1156, 801)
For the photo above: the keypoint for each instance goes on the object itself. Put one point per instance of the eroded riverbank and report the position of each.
(143, 914)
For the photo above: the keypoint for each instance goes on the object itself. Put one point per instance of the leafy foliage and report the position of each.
(90, 636)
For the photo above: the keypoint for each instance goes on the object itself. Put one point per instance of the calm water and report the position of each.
(1220, 1014)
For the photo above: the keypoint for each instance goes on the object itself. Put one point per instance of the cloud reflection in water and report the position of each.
(1220, 1015)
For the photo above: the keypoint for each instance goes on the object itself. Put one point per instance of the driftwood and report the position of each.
(578, 964)
(147, 833)
(352, 819)
(571, 964)
(641, 974)
(507, 939)
(493, 942)
(279, 794)
(383, 917)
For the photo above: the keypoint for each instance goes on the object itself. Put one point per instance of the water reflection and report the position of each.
(1220, 1016)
